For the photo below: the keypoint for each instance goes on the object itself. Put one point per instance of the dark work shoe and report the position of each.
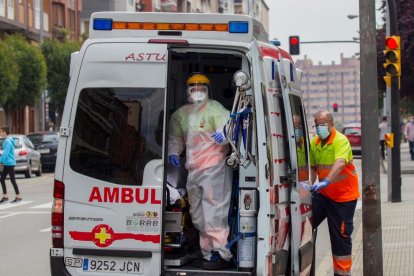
(16, 200)
(4, 199)
(198, 259)
(216, 263)
(198, 263)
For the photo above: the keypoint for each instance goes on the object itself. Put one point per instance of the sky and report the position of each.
(315, 20)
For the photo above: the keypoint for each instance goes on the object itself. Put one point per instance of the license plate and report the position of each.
(43, 150)
(105, 265)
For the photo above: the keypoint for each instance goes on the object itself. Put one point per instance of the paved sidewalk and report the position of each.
(397, 221)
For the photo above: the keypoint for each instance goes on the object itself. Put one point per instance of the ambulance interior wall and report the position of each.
(219, 68)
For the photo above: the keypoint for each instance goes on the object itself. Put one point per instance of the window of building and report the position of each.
(72, 20)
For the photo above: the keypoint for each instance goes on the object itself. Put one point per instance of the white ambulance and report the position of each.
(111, 213)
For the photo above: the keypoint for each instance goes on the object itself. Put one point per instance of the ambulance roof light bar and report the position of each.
(107, 24)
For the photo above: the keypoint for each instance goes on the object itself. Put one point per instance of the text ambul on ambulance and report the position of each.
(112, 210)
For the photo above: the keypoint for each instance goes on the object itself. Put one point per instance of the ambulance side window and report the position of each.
(115, 131)
(302, 148)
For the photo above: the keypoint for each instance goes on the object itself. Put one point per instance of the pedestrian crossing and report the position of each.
(25, 207)
(9, 205)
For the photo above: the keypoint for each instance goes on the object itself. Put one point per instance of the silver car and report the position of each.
(27, 158)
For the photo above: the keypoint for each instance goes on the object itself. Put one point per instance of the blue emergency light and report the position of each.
(240, 27)
(102, 24)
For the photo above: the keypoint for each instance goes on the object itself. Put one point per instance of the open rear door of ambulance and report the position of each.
(302, 243)
(113, 167)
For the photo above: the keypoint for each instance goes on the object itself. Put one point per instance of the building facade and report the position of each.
(326, 86)
(26, 17)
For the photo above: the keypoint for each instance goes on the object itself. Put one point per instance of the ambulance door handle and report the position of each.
(267, 170)
(292, 177)
(286, 202)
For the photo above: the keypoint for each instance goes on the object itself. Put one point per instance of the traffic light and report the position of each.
(389, 139)
(335, 107)
(294, 45)
(392, 53)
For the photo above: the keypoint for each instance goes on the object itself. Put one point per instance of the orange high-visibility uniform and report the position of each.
(345, 186)
(337, 201)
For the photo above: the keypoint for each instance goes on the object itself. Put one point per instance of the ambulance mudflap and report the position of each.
(113, 209)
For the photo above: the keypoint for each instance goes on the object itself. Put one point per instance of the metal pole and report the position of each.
(342, 98)
(371, 195)
(42, 125)
(395, 117)
(389, 115)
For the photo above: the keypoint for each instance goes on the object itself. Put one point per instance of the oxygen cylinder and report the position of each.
(246, 246)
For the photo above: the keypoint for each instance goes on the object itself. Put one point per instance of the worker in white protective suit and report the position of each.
(197, 127)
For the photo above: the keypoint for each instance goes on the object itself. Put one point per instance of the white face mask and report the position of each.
(197, 94)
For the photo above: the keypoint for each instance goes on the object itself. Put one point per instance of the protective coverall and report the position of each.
(209, 179)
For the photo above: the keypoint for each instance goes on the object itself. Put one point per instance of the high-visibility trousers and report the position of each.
(340, 217)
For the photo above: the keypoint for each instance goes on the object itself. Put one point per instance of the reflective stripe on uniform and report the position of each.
(342, 264)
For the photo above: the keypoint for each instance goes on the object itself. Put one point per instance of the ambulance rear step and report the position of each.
(201, 272)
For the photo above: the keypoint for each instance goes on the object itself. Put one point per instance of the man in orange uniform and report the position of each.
(335, 195)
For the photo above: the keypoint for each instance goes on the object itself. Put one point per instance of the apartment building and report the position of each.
(256, 8)
(27, 17)
(326, 86)
(66, 14)
(90, 6)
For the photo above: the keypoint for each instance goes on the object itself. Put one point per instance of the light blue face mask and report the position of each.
(322, 131)
(298, 133)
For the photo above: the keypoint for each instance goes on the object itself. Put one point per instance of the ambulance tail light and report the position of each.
(57, 214)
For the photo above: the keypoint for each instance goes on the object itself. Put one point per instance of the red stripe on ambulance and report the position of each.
(124, 195)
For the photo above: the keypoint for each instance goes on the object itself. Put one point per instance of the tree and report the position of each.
(32, 68)
(57, 56)
(9, 73)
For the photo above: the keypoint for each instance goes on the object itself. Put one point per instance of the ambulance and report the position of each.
(112, 213)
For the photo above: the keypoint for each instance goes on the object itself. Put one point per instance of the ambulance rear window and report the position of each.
(117, 132)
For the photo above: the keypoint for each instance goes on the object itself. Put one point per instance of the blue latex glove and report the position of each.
(174, 160)
(218, 137)
(316, 187)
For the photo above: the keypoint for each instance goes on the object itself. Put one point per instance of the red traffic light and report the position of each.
(335, 107)
(294, 44)
(294, 40)
(392, 43)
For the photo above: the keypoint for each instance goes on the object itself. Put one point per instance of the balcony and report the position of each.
(169, 5)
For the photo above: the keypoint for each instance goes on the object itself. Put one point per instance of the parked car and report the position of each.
(27, 157)
(353, 132)
(46, 143)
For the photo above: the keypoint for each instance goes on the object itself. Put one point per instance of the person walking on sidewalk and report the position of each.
(382, 131)
(335, 194)
(409, 135)
(8, 161)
